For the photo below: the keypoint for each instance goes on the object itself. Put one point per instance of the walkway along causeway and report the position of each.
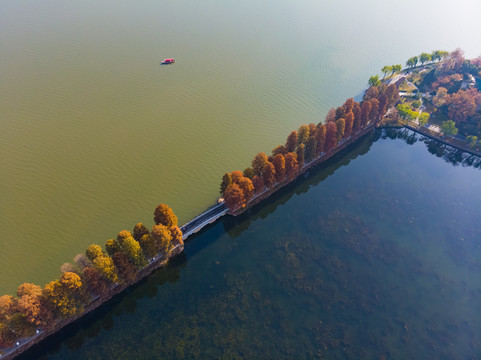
(207, 217)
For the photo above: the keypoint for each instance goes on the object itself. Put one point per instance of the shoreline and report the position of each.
(216, 212)
(26, 344)
(421, 130)
(208, 217)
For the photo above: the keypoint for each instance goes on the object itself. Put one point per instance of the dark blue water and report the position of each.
(376, 255)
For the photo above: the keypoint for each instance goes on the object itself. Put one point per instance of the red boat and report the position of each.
(167, 62)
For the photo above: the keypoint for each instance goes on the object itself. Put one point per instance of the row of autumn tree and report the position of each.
(305, 145)
(94, 274)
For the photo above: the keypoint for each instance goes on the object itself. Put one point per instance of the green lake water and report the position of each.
(94, 133)
(375, 255)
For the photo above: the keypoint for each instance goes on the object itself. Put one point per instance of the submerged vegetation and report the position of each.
(445, 92)
(92, 277)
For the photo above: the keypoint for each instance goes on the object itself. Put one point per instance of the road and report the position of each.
(203, 219)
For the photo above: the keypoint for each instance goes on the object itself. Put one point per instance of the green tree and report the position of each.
(424, 57)
(416, 104)
(131, 248)
(148, 246)
(386, 70)
(396, 68)
(472, 141)
(423, 118)
(406, 112)
(310, 149)
(248, 173)
(259, 162)
(164, 215)
(374, 80)
(303, 134)
(112, 246)
(449, 128)
(300, 152)
(412, 61)
(139, 231)
(106, 268)
(94, 251)
(226, 181)
(443, 53)
(436, 55)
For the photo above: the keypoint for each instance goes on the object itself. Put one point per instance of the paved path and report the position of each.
(203, 219)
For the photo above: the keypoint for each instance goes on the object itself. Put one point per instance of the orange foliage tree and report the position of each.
(176, 236)
(340, 125)
(331, 136)
(258, 183)
(280, 166)
(96, 284)
(300, 154)
(462, 104)
(259, 162)
(139, 231)
(247, 188)
(234, 197)
(349, 124)
(365, 113)
(269, 175)
(321, 138)
(291, 142)
(164, 215)
(226, 181)
(162, 238)
(292, 166)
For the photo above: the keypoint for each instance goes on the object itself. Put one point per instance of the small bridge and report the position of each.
(207, 217)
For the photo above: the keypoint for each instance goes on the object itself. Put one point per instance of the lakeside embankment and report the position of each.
(198, 223)
(24, 344)
(423, 131)
(315, 144)
(195, 225)
(101, 274)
